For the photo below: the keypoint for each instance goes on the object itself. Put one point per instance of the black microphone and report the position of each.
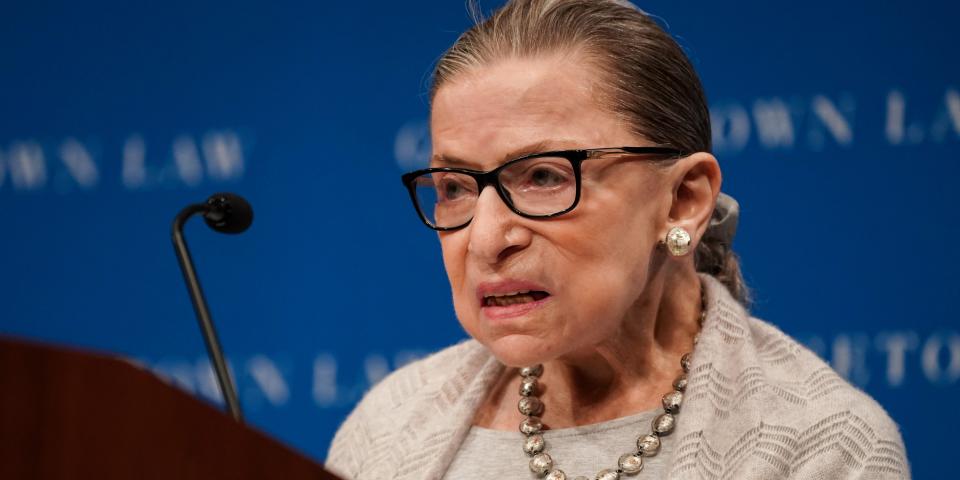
(225, 213)
(228, 213)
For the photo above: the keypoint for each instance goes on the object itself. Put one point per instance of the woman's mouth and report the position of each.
(514, 298)
(510, 298)
(516, 303)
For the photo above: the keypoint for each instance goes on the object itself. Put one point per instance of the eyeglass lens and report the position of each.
(537, 186)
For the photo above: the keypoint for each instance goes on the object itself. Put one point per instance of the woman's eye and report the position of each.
(452, 189)
(545, 177)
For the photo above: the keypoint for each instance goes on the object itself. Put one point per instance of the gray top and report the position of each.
(495, 454)
(758, 406)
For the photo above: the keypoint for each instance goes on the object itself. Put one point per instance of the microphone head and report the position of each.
(228, 213)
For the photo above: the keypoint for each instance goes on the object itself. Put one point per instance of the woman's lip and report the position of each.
(504, 287)
(496, 312)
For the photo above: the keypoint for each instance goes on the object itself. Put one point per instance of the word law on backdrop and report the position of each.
(72, 165)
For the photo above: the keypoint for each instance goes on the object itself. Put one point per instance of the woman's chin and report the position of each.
(519, 350)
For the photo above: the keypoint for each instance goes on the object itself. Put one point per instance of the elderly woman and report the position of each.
(587, 246)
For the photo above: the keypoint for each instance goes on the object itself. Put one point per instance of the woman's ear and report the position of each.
(696, 183)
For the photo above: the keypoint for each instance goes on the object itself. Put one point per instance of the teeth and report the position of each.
(510, 294)
(510, 298)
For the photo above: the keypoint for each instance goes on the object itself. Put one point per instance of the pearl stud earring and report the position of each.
(678, 241)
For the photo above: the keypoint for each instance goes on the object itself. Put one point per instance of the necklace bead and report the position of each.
(541, 463)
(680, 384)
(534, 371)
(528, 386)
(671, 401)
(608, 474)
(648, 445)
(664, 423)
(534, 444)
(530, 405)
(531, 425)
(630, 463)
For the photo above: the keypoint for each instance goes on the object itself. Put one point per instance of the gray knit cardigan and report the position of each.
(758, 406)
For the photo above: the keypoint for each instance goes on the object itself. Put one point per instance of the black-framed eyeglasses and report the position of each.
(541, 185)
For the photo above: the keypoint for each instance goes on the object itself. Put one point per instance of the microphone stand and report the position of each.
(227, 387)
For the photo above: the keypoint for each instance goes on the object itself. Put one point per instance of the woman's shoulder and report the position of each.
(787, 362)
(833, 418)
(441, 382)
(422, 378)
(425, 375)
(762, 389)
(755, 390)
(762, 360)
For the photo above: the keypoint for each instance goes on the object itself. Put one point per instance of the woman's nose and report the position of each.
(496, 232)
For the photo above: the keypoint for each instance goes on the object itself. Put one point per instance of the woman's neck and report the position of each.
(626, 374)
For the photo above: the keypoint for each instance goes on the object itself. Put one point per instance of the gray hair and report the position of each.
(647, 80)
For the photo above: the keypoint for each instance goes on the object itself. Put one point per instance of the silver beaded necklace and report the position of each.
(630, 463)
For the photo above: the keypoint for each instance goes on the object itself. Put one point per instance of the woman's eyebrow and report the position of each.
(452, 161)
(537, 147)
(541, 146)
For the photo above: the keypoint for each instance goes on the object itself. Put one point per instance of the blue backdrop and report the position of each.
(836, 124)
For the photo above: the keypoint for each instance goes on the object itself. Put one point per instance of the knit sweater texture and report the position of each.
(758, 405)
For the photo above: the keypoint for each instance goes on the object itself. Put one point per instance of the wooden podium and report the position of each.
(69, 414)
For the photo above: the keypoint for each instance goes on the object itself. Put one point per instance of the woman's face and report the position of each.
(592, 263)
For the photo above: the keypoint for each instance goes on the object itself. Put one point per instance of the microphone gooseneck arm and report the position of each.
(227, 387)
